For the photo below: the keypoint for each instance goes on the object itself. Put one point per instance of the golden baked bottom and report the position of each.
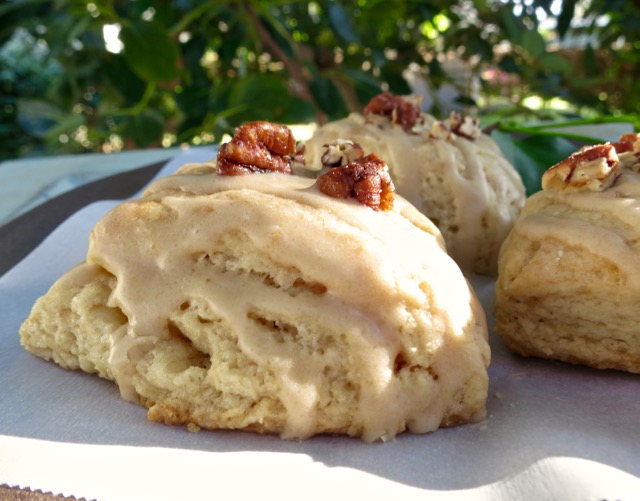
(258, 302)
(569, 272)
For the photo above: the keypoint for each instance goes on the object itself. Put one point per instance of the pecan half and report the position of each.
(592, 168)
(404, 111)
(257, 147)
(367, 180)
(341, 152)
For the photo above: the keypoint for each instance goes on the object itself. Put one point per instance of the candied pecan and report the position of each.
(341, 152)
(257, 147)
(592, 168)
(404, 111)
(366, 179)
(627, 142)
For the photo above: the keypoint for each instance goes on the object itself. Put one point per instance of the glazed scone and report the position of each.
(451, 171)
(569, 281)
(258, 302)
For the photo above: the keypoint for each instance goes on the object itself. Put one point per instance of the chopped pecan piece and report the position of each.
(367, 180)
(404, 111)
(341, 152)
(464, 126)
(257, 147)
(440, 130)
(592, 168)
(298, 159)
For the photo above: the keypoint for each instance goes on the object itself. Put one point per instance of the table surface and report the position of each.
(28, 182)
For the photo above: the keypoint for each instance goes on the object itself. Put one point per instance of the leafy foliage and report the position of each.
(188, 71)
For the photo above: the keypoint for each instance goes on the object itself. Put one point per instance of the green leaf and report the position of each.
(590, 61)
(66, 125)
(533, 155)
(267, 97)
(533, 43)
(509, 64)
(511, 24)
(554, 62)
(149, 51)
(37, 117)
(259, 97)
(121, 79)
(341, 23)
(480, 47)
(145, 128)
(277, 36)
(365, 84)
(194, 103)
(328, 97)
(393, 76)
(566, 14)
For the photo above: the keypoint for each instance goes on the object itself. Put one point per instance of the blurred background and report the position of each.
(111, 75)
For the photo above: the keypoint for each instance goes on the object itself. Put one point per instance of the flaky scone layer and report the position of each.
(256, 302)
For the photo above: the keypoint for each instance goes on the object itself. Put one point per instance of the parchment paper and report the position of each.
(554, 431)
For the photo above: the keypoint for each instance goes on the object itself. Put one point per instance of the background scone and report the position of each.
(569, 279)
(258, 302)
(451, 171)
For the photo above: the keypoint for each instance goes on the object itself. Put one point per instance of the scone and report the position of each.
(271, 302)
(451, 171)
(569, 279)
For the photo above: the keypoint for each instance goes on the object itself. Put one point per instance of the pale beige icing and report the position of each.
(388, 286)
(466, 186)
(602, 222)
